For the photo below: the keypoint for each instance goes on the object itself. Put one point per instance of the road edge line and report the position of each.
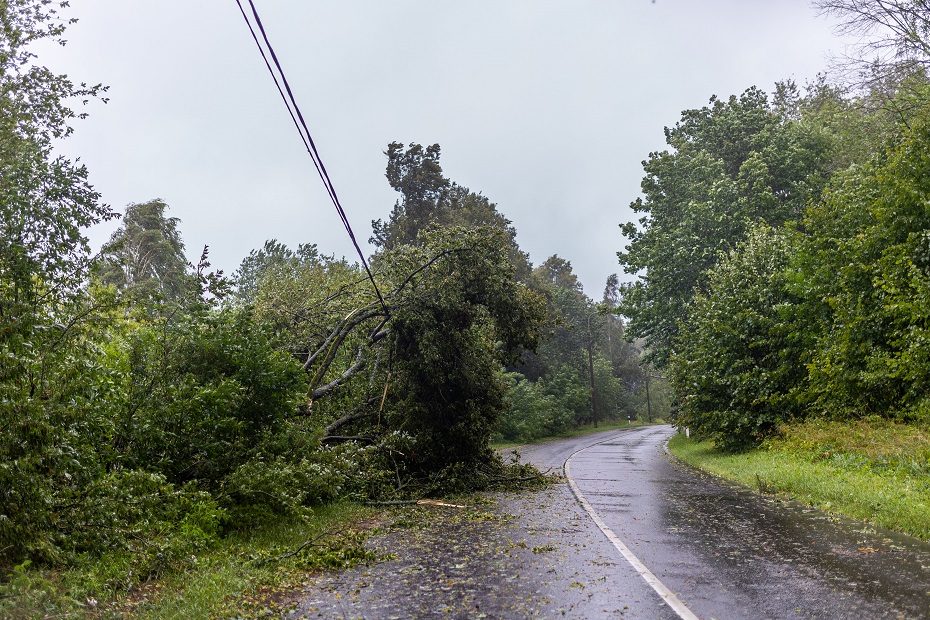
(669, 597)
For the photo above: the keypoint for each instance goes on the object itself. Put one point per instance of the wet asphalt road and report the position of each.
(729, 553)
(724, 551)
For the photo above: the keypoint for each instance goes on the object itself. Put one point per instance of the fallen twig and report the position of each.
(436, 502)
(392, 502)
(418, 502)
(303, 546)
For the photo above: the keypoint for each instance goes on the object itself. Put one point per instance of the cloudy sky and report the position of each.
(548, 107)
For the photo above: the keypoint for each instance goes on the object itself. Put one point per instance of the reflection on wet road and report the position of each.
(723, 551)
(728, 553)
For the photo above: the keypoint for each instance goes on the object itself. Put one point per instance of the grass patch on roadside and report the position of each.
(247, 574)
(872, 469)
(587, 429)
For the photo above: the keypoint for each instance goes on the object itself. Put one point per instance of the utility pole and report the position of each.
(591, 376)
(648, 401)
(610, 342)
(591, 371)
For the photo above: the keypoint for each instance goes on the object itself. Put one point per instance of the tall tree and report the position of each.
(46, 202)
(729, 164)
(416, 174)
(866, 266)
(146, 254)
(612, 291)
(45, 199)
(430, 199)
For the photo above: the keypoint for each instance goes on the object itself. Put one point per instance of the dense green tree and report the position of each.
(272, 257)
(866, 271)
(623, 355)
(739, 366)
(49, 377)
(417, 175)
(528, 412)
(45, 198)
(145, 256)
(556, 271)
(430, 199)
(730, 163)
(204, 391)
(452, 330)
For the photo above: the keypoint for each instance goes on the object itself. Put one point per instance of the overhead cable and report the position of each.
(287, 95)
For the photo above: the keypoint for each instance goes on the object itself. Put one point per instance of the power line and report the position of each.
(279, 77)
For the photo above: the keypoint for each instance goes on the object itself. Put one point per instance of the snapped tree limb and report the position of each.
(350, 372)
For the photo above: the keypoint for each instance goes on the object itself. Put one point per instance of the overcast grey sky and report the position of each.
(548, 107)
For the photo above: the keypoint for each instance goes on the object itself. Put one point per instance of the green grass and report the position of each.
(872, 470)
(587, 429)
(241, 576)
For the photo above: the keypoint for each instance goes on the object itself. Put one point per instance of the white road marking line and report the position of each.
(660, 588)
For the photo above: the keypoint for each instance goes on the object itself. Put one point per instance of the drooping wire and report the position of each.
(279, 77)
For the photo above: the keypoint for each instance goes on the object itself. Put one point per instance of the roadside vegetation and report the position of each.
(167, 430)
(244, 574)
(784, 276)
(874, 469)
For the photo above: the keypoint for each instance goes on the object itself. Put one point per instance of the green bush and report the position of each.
(529, 413)
(569, 388)
(286, 484)
(737, 369)
(205, 392)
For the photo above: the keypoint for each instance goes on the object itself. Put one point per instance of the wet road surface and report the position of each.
(729, 553)
(723, 551)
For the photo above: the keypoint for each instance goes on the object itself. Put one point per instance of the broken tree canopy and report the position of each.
(429, 365)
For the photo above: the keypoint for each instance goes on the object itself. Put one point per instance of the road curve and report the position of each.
(728, 553)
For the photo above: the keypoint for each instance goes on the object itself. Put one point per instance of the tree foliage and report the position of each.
(866, 259)
(145, 256)
(737, 369)
(430, 199)
(802, 288)
(452, 331)
(730, 164)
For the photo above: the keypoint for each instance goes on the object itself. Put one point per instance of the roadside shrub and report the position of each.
(163, 530)
(572, 397)
(56, 415)
(286, 486)
(528, 411)
(737, 369)
(205, 392)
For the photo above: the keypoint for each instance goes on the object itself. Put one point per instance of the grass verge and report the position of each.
(873, 470)
(247, 574)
